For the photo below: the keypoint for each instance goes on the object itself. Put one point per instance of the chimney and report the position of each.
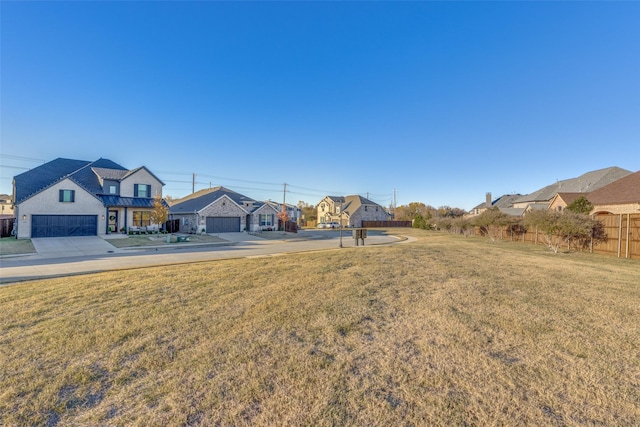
(488, 201)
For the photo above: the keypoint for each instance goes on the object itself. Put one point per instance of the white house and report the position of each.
(67, 197)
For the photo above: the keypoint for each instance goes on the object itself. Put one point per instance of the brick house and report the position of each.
(220, 210)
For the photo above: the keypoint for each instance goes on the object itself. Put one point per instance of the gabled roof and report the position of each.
(133, 171)
(201, 199)
(84, 173)
(513, 211)
(568, 198)
(352, 203)
(503, 201)
(585, 183)
(625, 190)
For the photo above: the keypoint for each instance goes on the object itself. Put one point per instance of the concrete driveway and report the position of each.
(62, 247)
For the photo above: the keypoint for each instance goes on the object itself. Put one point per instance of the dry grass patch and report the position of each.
(441, 331)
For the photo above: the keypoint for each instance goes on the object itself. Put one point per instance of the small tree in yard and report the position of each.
(565, 228)
(284, 217)
(492, 221)
(160, 212)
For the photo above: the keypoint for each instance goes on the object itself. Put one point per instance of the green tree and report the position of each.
(581, 205)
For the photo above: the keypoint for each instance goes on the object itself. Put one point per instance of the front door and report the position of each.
(113, 221)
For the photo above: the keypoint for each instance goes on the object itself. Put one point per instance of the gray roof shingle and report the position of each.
(585, 183)
(200, 199)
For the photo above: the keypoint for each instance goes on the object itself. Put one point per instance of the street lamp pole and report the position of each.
(340, 226)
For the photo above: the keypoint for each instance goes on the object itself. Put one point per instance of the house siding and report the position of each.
(255, 217)
(224, 206)
(142, 176)
(47, 203)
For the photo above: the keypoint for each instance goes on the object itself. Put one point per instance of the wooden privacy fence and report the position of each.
(6, 225)
(378, 224)
(622, 230)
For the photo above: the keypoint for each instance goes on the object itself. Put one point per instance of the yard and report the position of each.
(440, 331)
(13, 246)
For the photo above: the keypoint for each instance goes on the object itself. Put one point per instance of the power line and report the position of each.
(30, 159)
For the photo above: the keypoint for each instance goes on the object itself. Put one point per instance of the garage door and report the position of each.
(64, 225)
(222, 224)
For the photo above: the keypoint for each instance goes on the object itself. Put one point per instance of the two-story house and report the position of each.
(67, 197)
(350, 211)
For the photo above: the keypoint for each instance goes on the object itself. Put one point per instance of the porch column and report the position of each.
(126, 229)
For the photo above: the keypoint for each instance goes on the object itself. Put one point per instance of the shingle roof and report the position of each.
(82, 172)
(624, 190)
(503, 201)
(585, 183)
(353, 202)
(203, 198)
(513, 211)
(37, 179)
(110, 174)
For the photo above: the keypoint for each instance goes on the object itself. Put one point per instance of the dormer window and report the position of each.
(113, 189)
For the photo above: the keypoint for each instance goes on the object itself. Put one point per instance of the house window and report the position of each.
(141, 190)
(113, 189)
(365, 208)
(141, 218)
(68, 196)
(266, 219)
(322, 206)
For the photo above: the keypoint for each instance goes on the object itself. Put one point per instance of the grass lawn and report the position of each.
(13, 246)
(159, 240)
(440, 331)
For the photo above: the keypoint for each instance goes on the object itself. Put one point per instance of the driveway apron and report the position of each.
(59, 247)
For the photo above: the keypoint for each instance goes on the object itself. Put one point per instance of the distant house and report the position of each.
(585, 183)
(220, 210)
(350, 210)
(67, 197)
(503, 203)
(6, 205)
(619, 197)
(294, 213)
(561, 200)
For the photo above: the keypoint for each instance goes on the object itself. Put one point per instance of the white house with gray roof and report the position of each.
(220, 210)
(67, 197)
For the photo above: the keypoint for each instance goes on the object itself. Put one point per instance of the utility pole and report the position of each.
(395, 196)
(193, 183)
(284, 209)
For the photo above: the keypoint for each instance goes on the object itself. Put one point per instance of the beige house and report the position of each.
(350, 211)
(561, 200)
(6, 205)
(619, 197)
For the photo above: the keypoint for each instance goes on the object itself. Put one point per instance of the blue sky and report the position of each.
(442, 101)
